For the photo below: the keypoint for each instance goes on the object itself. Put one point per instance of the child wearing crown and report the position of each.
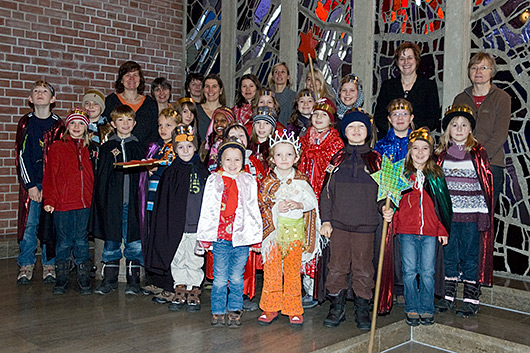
(289, 210)
(173, 232)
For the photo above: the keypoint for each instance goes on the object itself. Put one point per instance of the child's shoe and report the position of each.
(308, 302)
(83, 278)
(412, 319)
(471, 300)
(362, 313)
(296, 320)
(164, 297)
(249, 305)
(133, 277)
(25, 274)
(63, 277)
(234, 319)
(178, 299)
(444, 305)
(111, 270)
(218, 320)
(151, 289)
(467, 310)
(448, 301)
(193, 300)
(267, 317)
(48, 274)
(426, 319)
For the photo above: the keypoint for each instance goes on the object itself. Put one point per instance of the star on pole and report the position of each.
(308, 45)
(391, 180)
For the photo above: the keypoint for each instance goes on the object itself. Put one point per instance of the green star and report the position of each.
(391, 180)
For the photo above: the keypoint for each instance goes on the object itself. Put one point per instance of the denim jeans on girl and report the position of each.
(418, 257)
(132, 250)
(28, 244)
(72, 234)
(228, 267)
(462, 251)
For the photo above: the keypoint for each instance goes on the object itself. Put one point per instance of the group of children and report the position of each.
(297, 202)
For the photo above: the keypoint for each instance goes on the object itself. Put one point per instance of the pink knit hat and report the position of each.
(77, 114)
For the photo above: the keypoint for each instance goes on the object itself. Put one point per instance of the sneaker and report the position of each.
(48, 274)
(218, 320)
(296, 320)
(249, 305)
(467, 310)
(132, 289)
(267, 317)
(25, 274)
(151, 289)
(412, 319)
(176, 305)
(234, 319)
(308, 302)
(163, 297)
(426, 320)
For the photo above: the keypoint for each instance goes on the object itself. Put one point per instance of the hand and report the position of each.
(326, 229)
(443, 240)
(388, 214)
(293, 205)
(283, 206)
(35, 194)
(49, 208)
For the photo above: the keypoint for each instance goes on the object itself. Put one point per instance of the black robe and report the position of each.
(107, 203)
(169, 213)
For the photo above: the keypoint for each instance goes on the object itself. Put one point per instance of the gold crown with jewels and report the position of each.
(422, 133)
(459, 108)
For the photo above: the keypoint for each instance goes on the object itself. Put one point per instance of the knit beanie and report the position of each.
(231, 142)
(356, 114)
(96, 96)
(234, 126)
(462, 110)
(267, 114)
(77, 114)
(326, 105)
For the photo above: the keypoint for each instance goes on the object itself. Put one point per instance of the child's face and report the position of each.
(232, 160)
(420, 152)
(41, 96)
(124, 126)
(93, 109)
(459, 130)
(166, 125)
(266, 101)
(211, 89)
(356, 133)
(348, 93)
(185, 150)
(309, 83)
(187, 116)
(305, 105)
(400, 120)
(263, 130)
(239, 134)
(161, 94)
(320, 120)
(248, 89)
(76, 129)
(219, 124)
(284, 157)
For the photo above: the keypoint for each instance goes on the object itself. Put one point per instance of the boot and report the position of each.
(133, 277)
(111, 270)
(337, 310)
(83, 278)
(194, 301)
(62, 271)
(448, 301)
(362, 313)
(471, 294)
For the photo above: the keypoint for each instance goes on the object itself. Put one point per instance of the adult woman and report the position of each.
(280, 83)
(421, 92)
(213, 97)
(161, 92)
(491, 108)
(193, 86)
(249, 85)
(130, 86)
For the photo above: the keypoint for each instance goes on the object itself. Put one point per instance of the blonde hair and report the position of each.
(271, 78)
(319, 76)
(85, 138)
(172, 114)
(122, 110)
(270, 159)
(429, 169)
(445, 139)
(262, 92)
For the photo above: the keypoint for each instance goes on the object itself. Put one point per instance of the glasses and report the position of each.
(480, 68)
(397, 115)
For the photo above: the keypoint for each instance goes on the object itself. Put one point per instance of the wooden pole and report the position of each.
(378, 281)
(317, 94)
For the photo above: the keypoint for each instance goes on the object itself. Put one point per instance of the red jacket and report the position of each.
(68, 177)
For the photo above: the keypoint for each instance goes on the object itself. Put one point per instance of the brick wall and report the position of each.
(76, 45)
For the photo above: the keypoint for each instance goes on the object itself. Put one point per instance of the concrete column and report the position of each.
(363, 46)
(228, 49)
(290, 39)
(457, 49)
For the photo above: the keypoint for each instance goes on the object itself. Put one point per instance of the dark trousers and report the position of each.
(462, 251)
(351, 252)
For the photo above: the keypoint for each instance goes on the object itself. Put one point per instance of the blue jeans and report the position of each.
(28, 244)
(462, 251)
(132, 251)
(72, 233)
(417, 258)
(228, 267)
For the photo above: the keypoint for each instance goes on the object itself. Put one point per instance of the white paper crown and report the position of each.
(285, 138)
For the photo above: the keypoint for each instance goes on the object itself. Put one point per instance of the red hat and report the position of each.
(77, 114)
(326, 105)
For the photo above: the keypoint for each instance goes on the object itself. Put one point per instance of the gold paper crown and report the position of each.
(78, 111)
(352, 78)
(186, 100)
(285, 138)
(459, 108)
(183, 133)
(422, 133)
(324, 104)
(267, 92)
(399, 106)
